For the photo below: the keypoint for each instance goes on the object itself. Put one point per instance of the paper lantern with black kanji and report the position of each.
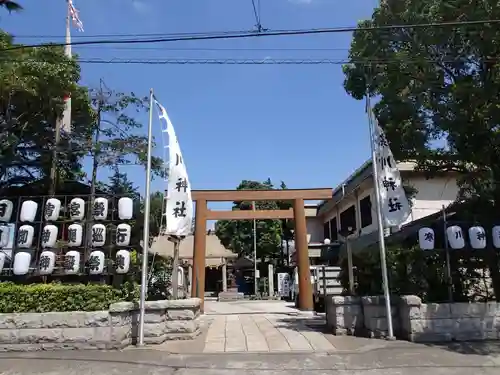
(77, 209)
(477, 237)
(455, 237)
(28, 211)
(75, 235)
(49, 235)
(100, 208)
(495, 233)
(72, 262)
(25, 236)
(123, 232)
(22, 261)
(52, 209)
(2, 261)
(125, 208)
(96, 262)
(98, 235)
(426, 238)
(122, 261)
(47, 262)
(6, 208)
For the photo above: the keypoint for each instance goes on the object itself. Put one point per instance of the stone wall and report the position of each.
(414, 320)
(375, 316)
(438, 322)
(344, 315)
(112, 329)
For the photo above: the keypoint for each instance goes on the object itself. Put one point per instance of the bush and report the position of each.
(39, 298)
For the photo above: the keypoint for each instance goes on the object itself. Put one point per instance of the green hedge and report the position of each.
(15, 298)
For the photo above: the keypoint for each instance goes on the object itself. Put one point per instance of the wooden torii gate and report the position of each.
(297, 196)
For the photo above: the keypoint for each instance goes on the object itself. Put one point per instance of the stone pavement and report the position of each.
(390, 360)
(261, 326)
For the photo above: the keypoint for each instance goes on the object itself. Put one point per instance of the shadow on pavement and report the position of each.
(318, 324)
(471, 347)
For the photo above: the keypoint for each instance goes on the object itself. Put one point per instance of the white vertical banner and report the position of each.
(394, 204)
(179, 207)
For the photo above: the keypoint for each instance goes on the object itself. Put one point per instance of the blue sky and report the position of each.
(288, 122)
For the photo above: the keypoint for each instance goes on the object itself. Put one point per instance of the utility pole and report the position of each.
(255, 279)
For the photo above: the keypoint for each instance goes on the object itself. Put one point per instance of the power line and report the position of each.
(264, 61)
(253, 34)
(213, 49)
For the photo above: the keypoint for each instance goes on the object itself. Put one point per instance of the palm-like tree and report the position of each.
(11, 6)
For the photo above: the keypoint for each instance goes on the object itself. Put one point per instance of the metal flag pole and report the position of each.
(145, 247)
(449, 283)
(381, 237)
(255, 282)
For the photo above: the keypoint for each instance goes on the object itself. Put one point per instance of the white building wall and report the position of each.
(315, 229)
(431, 195)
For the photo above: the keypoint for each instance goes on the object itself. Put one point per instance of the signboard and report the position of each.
(283, 284)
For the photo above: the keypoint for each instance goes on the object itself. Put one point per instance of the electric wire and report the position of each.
(262, 61)
(253, 34)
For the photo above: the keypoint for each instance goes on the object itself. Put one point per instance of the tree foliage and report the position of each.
(33, 83)
(237, 235)
(10, 6)
(439, 89)
(113, 137)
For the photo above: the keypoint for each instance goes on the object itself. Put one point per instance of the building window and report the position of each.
(326, 230)
(365, 208)
(333, 229)
(348, 219)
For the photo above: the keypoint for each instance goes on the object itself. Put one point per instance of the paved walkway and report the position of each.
(256, 326)
(263, 333)
(382, 361)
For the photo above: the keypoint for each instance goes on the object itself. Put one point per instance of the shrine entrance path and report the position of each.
(265, 327)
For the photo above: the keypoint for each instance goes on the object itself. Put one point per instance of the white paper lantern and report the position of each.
(455, 237)
(477, 237)
(72, 262)
(426, 238)
(96, 262)
(125, 208)
(52, 209)
(6, 208)
(4, 235)
(49, 235)
(75, 235)
(495, 233)
(2, 260)
(22, 261)
(98, 235)
(77, 209)
(47, 262)
(25, 236)
(100, 209)
(28, 211)
(123, 232)
(122, 261)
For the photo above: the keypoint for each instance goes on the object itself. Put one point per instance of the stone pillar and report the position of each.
(200, 244)
(224, 277)
(270, 272)
(302, 249)
(190, 279)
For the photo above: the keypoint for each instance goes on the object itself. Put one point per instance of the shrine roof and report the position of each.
(214, 248)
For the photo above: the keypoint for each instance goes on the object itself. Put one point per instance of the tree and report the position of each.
(439, 89)
(111, 138)
(33, 83)
(237, 235)
(10, 6)
(157, 203)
